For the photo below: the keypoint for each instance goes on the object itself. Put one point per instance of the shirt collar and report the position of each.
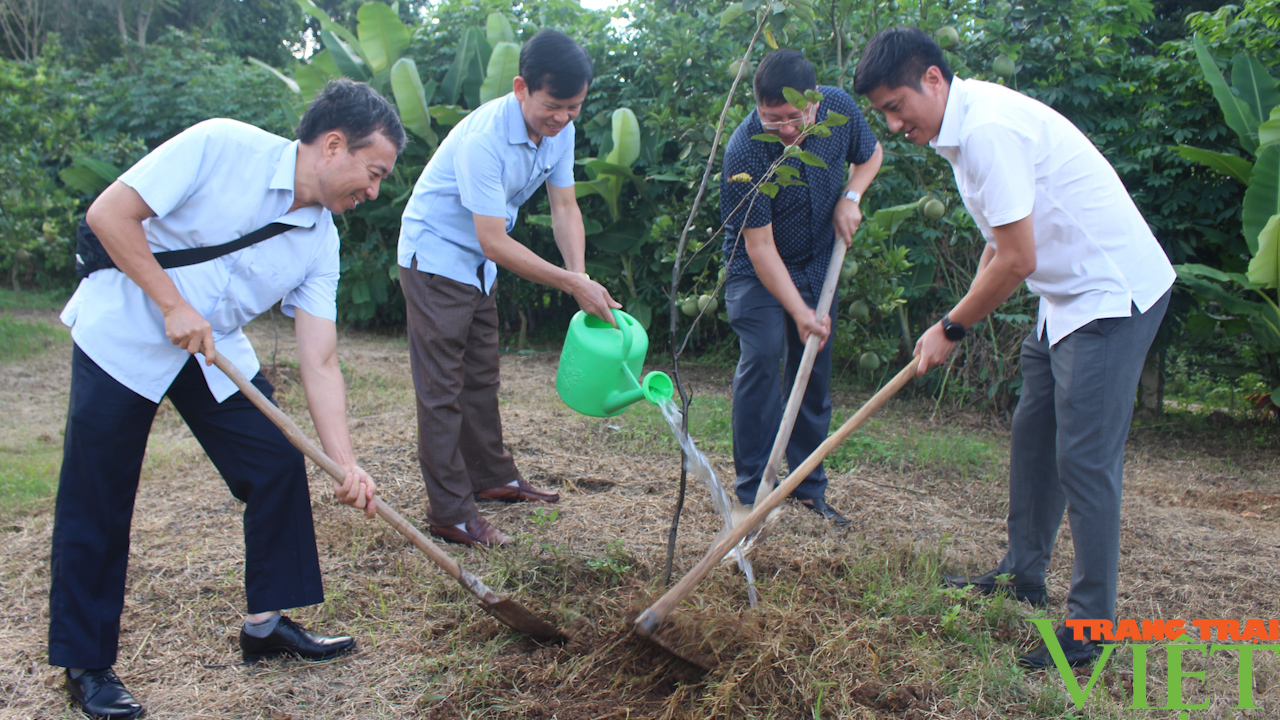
(286, 175)
(286, 168)
(517, 132)
(952, 116)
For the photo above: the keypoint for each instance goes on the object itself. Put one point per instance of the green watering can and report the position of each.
(599, 365)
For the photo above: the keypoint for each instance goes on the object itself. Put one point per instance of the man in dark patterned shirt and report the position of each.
(776, 252)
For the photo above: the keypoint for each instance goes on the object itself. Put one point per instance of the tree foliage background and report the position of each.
(94, 84)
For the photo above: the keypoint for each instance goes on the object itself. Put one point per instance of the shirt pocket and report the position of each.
(260, 279)
(538, 175)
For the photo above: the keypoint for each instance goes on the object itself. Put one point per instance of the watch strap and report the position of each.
(954, 331)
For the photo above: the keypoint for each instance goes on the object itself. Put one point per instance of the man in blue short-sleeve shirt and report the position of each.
(453, 237)
(139, 331)
(776, 251)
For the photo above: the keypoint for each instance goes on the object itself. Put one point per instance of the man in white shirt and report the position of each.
(139, 332)
(1055, 215)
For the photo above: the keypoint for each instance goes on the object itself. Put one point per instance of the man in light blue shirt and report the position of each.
(453, 236)
(139, 331)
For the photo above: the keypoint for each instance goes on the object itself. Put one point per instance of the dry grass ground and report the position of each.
(850, 624)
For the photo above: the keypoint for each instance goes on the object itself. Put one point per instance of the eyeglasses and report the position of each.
(789, 122)
(793, 122)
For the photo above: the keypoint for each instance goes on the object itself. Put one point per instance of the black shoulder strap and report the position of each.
(192, 256)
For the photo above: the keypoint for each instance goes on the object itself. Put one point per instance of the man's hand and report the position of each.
(846, 219)
(933, 349)
(807, 323)
(594, 299)
(357, 490)
(188, 329)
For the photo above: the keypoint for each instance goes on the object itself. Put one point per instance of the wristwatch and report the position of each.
(954, 331)
(853, 195)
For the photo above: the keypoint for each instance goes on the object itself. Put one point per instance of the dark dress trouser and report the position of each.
(453, 354)
(768, 340)
(1067, 452)
(106, 438)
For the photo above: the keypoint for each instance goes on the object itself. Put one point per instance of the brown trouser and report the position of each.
(453, 352)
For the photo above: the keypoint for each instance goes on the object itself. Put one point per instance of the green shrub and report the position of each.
(42, 120)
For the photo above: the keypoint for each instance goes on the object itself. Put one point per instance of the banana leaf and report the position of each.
(1251, 82)
(498, 29)
(1262, 198)
(382, 36)
(1236, 111)
(345, 56)
(411, 99)
(504, 65)
(288, 81)
(1225, 163)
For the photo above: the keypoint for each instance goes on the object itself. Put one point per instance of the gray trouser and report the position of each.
(1067, 451)
(769, 341)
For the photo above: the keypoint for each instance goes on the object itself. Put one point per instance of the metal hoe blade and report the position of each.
(663, 636)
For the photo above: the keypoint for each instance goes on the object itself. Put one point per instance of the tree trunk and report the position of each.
(22, 22)
(1151, 388)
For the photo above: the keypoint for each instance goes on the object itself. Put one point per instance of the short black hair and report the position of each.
(781, 69)
(898, 56)
(552, 60)
(355, 109)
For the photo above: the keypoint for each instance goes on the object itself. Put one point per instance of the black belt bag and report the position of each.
(91, 256)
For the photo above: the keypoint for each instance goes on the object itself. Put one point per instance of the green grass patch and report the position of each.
(881, 442)
(33, 300)
(23, 337)
(710, 425)
(28, 474)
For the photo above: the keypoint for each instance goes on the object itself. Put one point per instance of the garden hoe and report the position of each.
(652, 623)
(508, 612)
(798, 388)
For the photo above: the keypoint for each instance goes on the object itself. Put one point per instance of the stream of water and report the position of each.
(697, 464)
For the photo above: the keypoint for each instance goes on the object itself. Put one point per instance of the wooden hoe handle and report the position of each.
(331, 466)
(649, 621)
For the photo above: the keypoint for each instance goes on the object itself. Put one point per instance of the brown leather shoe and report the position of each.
(478, 532)
(521, 492)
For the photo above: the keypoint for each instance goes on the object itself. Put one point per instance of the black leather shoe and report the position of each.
(1077, 652)
(290, 638)
(1036, 594)
(100, 694)
(820, 506)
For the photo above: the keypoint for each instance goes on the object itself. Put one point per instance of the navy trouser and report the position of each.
(106, 437)
(1067, 453)
(768, 340)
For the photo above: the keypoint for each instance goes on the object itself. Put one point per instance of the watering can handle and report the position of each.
(626, 333)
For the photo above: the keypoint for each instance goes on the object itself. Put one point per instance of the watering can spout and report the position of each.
(599, 366)
(657, 388)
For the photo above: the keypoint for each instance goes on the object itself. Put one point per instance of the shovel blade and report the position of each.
(518, 617)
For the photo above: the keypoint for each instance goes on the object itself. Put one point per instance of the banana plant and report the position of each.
(374, 53)
(1251, 107)
(607, 176)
